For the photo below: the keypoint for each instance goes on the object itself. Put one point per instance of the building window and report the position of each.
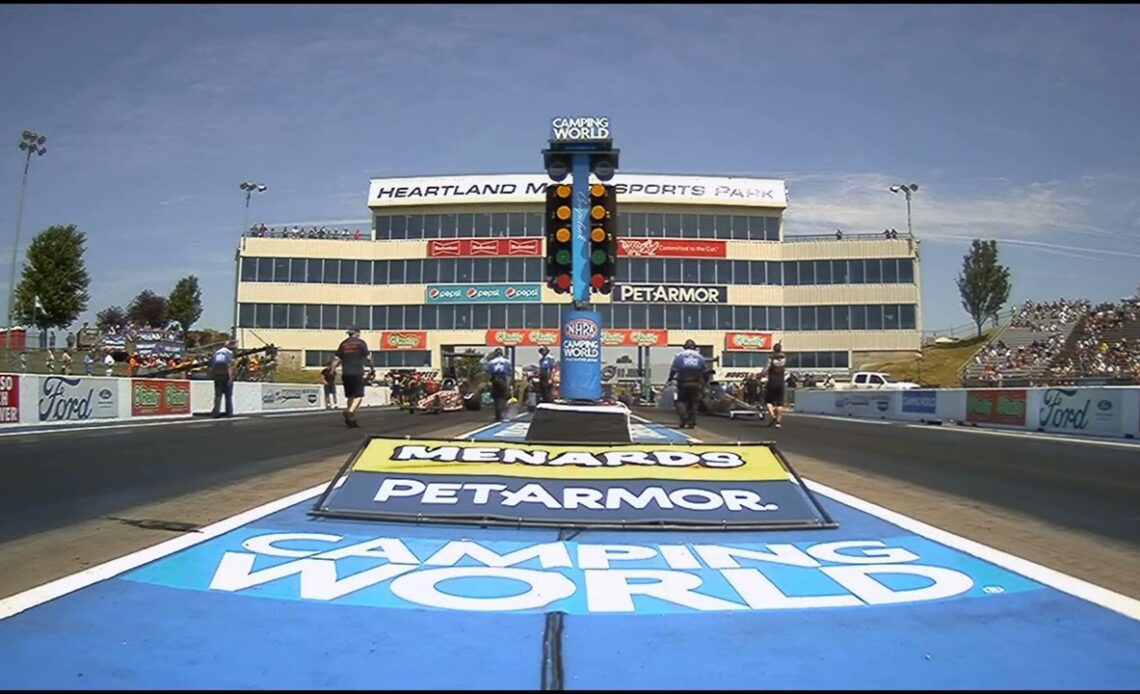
(906, 270)
(872, 271)
(246, 315)
(906, 317)
(249, 269)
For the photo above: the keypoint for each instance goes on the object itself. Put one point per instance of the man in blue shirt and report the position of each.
(499, 370)
(545, 372)
(222, 371)
(689, 371)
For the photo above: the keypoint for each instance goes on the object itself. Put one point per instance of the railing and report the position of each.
(880, 236)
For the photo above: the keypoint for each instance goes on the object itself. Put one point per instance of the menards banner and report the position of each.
(602, 485)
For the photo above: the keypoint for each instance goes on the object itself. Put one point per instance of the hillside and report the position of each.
(939, 365)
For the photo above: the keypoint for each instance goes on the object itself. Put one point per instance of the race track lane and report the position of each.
(58, 479)
(1091, 488)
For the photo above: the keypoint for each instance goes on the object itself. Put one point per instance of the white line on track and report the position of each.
(69, 584)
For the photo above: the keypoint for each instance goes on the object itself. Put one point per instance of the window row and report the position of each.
(636, 316)
(637, 270)
(394, 359)
(501, 224)
(796, 360)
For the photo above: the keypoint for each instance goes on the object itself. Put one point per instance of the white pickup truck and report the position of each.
(875, 380)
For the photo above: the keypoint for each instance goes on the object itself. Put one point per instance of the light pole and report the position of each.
(250, 188)
(30, 143)
(907, 189)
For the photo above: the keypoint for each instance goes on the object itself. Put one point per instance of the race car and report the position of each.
(717, 401)
(446, 399)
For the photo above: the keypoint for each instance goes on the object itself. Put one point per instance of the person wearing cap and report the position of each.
(545, 370)
(689, 371)
(222, 372)
(499, 370)
(352, 354)
(774, 392)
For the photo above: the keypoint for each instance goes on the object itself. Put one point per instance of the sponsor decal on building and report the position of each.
(619, 337)
(466, 248)
(637, 577)
(526, 338)
(748, 342)
(1081, 411)
(996, 406)
(671, 248)
(9, 399)
(64, 399)
(579, 129)
(274, 397)
(531, 188)
(919, 401)
(159, 397)
(581, 353)
(671, 294)
(482, 293)
(403, 339)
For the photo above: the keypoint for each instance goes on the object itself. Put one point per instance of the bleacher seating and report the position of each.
(1038, 335)
(1107, 344)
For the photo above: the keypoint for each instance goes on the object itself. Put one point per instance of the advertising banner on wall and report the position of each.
(996, 406)
(750, 342)
(671, 294)
(671, 248)
(1081, 411)
(620, 337)
(863, 404)
(66, 399)
(288, 397)
(581, 355)
(403, 339)
(482, 293)
(159, 397)
(473, 248)
(9, 399)
(920, 401)
(537, 337)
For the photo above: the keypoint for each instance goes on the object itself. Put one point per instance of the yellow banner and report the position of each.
(711, 462)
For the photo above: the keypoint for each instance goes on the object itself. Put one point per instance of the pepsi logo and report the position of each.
(471, 292)
(581, 329)
(511, 291)
(433, 293)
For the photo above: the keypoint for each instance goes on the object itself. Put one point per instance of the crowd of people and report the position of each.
(314, 232)
(1050, 316)
(1097, 354)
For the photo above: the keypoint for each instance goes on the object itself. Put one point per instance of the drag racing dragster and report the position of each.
(717, 401)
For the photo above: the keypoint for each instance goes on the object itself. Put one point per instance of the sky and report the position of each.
(1017, 122)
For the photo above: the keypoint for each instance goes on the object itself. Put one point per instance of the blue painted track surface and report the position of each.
(159, 626)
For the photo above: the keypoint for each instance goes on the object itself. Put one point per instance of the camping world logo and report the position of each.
(582, 329)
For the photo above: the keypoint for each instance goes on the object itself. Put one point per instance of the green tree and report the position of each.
(983, 283)
(56, 273)
(148, 309)
(185, 302)
(110, 318)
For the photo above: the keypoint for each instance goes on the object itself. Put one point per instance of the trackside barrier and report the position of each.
(42, 399)
(1110, 411)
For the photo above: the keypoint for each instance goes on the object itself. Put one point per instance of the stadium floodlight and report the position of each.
(906, 189)
(31, 143)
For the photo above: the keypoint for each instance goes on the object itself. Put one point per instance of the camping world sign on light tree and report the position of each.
(581, 242)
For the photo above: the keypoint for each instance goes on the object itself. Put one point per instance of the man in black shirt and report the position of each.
(352, 355)
(774, 393)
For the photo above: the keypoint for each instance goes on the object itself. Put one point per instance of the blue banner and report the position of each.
(580, 241)
(581, 355)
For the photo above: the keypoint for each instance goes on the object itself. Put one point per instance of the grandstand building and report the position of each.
(457, 261)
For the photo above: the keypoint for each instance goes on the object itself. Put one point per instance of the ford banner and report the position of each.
(67, 399)
(1081, 411)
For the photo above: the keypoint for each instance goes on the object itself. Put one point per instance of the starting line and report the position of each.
(275, 598)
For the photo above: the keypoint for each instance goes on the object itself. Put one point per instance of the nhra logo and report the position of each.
(581, 329)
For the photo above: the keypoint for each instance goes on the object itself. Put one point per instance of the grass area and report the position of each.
(939, 365)
(297, 376)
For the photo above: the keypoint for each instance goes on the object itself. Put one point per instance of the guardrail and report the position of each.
(1103, 411)
(47, 400)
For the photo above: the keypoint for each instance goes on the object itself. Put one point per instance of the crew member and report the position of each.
(751, 387)
(328, 377)
(774, 393)
(689, 371)
(499, 370)
(352, 354)
(545, 371)
(222, 371)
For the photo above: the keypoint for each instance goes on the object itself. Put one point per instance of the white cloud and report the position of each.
(1058, 216)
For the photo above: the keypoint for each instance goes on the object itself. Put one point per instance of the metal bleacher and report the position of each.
(1015, 338)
